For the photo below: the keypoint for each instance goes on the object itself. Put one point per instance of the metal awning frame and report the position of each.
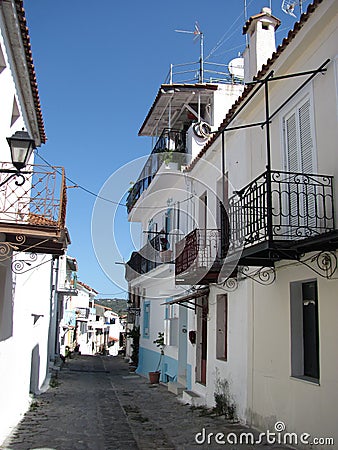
(190, 299)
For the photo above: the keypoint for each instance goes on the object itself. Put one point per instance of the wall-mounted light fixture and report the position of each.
(22, 146)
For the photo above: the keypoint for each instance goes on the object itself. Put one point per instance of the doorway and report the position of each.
(202, 340)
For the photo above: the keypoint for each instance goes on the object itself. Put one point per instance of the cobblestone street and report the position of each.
(97, 404)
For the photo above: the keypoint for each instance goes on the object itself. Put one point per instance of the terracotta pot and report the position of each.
(154, 377)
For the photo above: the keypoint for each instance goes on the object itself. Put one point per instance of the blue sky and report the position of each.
(99, 66)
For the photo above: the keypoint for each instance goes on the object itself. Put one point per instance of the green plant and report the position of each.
(224, 403)
(168, 156)
(134, 334)
(34, 405)
(160, 343)
(54, 382)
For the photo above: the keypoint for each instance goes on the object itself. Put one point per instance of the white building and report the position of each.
(259, 327)
(85, 314)
(32, 235)
(116, 332)
(181, 119)
(67, 289)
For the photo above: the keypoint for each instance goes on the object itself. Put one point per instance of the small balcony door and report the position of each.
(299, 205)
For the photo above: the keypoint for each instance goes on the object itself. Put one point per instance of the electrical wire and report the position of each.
(78, 185)
(88, 191)
(114, 293)
(226, 35)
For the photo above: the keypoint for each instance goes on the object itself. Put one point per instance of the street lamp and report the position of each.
(22, 146)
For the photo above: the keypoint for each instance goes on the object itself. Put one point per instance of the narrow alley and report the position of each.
(95, 403)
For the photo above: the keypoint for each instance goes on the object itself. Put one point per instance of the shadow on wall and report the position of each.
(6, 302)
(35, 370)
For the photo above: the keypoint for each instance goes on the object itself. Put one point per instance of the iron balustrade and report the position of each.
(150, 256)
(170, 147)
(201, 249)
(41, 200)
(300, 206)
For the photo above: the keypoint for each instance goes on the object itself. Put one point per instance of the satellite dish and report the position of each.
(236, 67)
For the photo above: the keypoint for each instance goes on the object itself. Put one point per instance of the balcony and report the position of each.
(82, 313)
(32, 215)
(170, 146)
(199, 257)
(281, 215)
(148, 258)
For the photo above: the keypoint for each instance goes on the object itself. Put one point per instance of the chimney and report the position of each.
(261, 43)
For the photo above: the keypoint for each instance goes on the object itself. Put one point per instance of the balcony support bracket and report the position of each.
(323, 264)
(24, 265)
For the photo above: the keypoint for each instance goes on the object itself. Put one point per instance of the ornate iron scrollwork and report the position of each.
(230, 284)
(24, 265)
(262, 275)
(6, 248)
(323, 264)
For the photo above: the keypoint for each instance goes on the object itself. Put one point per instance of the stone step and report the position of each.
(175, 388)
(192, 398)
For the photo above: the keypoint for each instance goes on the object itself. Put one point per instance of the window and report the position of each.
(146, 319)
(2, 60)
(299, 139)
(222, 327)
(304, 330)
(171, 325)
(15, 112)
(300, 158)
(83, 327)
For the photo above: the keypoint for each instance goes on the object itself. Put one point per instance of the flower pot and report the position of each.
(154, 377)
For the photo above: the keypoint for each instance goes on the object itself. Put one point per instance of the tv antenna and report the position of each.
(288, 6)
(197, 34)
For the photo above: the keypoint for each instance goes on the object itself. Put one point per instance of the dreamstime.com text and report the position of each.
(278, 436)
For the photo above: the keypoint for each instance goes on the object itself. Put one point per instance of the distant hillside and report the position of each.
(118, 305)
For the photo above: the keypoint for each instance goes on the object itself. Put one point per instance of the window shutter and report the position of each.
(306, 142)
(299, 158)
(291, 144)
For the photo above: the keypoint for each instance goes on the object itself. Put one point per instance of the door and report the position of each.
(300, 206)
(182, 347)
(202, 340)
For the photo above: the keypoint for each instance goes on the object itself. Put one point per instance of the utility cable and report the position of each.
(88, 191)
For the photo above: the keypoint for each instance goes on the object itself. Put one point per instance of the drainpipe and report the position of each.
(53, 332)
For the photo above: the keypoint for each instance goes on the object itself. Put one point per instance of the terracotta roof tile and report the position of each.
(30, 66)
(248, 22)
(86, 287)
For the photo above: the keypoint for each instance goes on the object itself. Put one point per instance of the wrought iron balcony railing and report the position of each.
(198, 257)
(170, 146)
(150, 256)
(281, 206)
(40, 201)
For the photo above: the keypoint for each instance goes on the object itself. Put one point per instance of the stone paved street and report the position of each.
(98, 405)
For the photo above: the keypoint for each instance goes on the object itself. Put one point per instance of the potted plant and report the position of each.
(169, 160)
(134, 334)
(154, 377)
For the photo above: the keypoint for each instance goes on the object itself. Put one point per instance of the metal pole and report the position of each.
(268, 165)
(245, 20)
(201, 58)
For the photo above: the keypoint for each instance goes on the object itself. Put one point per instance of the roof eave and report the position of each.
(17, 31)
